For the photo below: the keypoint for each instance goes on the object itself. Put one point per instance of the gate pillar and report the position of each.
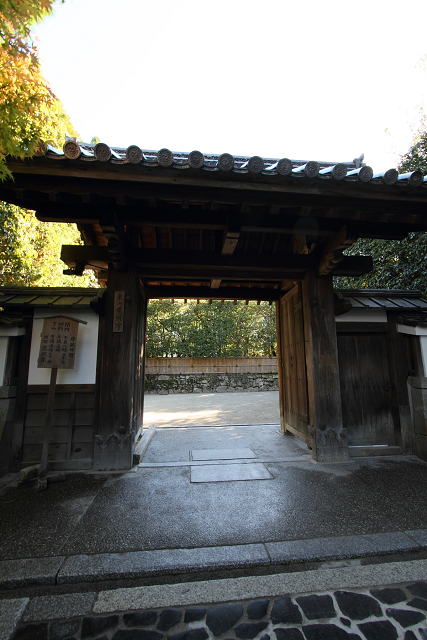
(327, 436)
(120, 376)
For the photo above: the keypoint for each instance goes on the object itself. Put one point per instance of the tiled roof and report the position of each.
(32, 297)
(393, 299)
(353, 171)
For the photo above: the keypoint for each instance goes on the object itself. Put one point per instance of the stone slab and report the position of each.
(139, 564)
(142, 446)
(8, 479)
(67, 605)
(10, 614)
(229, 473)
(215, 591)
(321, 549)
(196, 463)
(29, 571)
(419, 535)
(221, 454)
(374, 450)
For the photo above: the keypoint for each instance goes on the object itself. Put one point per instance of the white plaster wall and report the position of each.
(84, 371)
(3, 353)
(421, 332)
(363, 315)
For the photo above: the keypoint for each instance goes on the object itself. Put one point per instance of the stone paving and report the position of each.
(388, 613)
(308, 554)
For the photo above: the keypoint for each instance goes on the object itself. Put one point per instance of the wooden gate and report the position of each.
(138, 392)
(365, 389)
(292, 365)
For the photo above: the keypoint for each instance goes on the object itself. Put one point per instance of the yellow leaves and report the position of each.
(29, 110)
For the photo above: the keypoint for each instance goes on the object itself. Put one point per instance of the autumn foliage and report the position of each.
(29, 111)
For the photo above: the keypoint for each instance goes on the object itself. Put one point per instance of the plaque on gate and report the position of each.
(119, 311)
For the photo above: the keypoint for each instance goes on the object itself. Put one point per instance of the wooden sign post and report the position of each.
(57, 351)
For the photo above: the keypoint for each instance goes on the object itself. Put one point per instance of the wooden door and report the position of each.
(365, 388)
(140, 334)
(293, 379)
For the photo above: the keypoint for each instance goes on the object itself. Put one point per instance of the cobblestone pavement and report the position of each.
(388, 613)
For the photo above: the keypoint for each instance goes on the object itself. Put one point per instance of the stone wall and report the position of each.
(417, 387)
(210, 382)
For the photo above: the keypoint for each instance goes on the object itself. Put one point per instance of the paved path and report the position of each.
(131, 555)
(199, 409)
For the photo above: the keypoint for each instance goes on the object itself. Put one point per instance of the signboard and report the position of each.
(58, 343)
(119, 311)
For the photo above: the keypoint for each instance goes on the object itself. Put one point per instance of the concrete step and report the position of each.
(374, 450)
(203, 563)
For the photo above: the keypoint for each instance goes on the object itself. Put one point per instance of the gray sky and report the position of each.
(305, 80)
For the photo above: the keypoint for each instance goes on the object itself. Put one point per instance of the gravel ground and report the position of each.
(209, 409)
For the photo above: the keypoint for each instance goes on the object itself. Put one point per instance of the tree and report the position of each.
(30, 113)
(398, 264)
(416, 156)
(29, 250)
(16, 19)
(210, 330)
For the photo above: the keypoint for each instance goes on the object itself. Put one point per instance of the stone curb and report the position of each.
(375, 601)
(250, 587)
(29, 571)
(161, 562)
(10, 614)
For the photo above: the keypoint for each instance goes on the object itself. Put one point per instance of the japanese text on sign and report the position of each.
(119, 311)
(58, 343)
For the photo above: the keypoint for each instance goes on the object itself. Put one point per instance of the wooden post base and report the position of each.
(330, 447)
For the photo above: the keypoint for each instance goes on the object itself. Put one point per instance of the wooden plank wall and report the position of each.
(366, 389)
(211, 365)
(71, 441)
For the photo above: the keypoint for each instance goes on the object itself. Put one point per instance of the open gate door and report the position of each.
(292, 365)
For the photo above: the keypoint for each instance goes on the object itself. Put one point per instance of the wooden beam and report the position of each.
(171, 273)
(206, 293)
(173, 181)
(215, 283)
(231, 236)
(95, 256)
(354, 266)
(299, 244)
(210, 266)
(192, 260)
(112, 181)
(117, 242)
(332, 252)
(171, 215)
